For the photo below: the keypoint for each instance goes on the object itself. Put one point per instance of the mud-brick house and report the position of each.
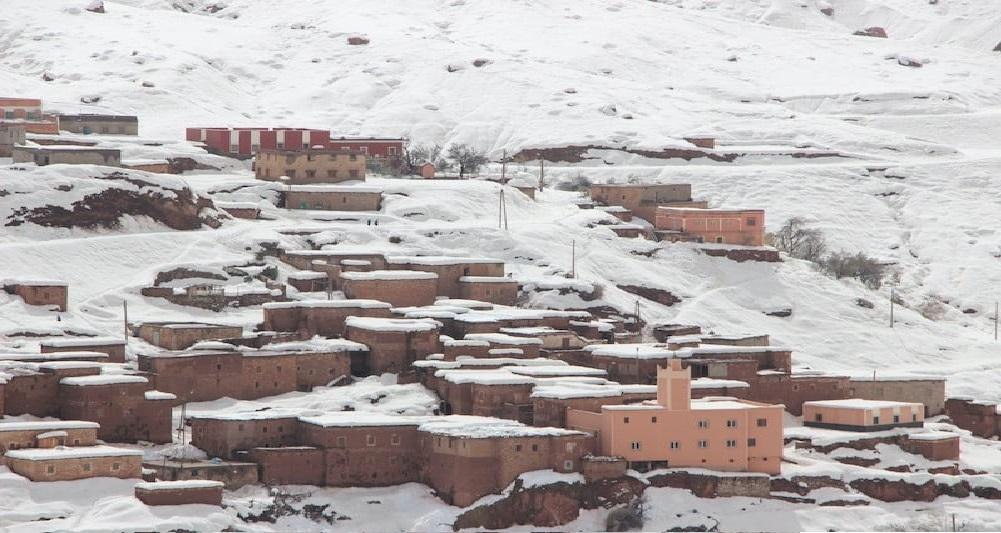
(11, 134)
(494, 289)
(37, 434)
(362, 449)
(320, 317)
(401, 288)
(303, 259)
(934, 445)
(61, 463)
(224, 435)
(39, 292)
(245, 142)
(980, 417)
(465, 460)
(497, 393)
(126, 406)
(529, 346)
(855, 414)
(182, 335)
(926, 390)
(309, 281)
(745, 227)
(204, 492)
(450, 270)
(101, 124)
(310, 166)
(675, 431)
(114, 347)
(394, 343)
(233, 474)
(643, 199)
(550, 402)
(67, 155)
(333, 197)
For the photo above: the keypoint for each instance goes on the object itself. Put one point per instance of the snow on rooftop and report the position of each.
(319, 344)
(185, 484)
(557, 370)
(439, 260)
(858, 403)
(388, 275)
(469, 343)
(102, 379)
(80, 342)
(335, 188)
(711, 403)
(51, 434)
(307, 275)
(483, 377)
(712, 383)
(361, 419)
(933, 435)
(505, 351)
(64, 365)
(74, 452)
(52, 356)
(159, 395)
(475, 427)
(48, 425)
(391, 324)
(34, 282)
(633, 351)
(486, 279)
(726, 349)
(355, 303)
(500, 338)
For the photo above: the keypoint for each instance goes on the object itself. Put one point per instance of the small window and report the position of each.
(703, 424)
(517, 447)
(731, 423)
(752, 443)
(353, 173)
(310, 173)
(896, 419)
(391, 150)
(342, 442)
(731, 444)
(50, 469)
(653, 419)
(818, 417)
(914, 418)
(239, 427)
(353, 157)
(331, 173)
(290, 172)
(568, 465)
(675, 445)
(370, 440)
(394, 440)
(535, 447)
(635, 445)
(762, 422)
(116, 466)
(752, 222)
(86, 467)
(703, 444)
(875, 420)
(625, 420)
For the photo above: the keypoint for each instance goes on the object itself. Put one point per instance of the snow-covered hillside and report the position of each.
(910, 173)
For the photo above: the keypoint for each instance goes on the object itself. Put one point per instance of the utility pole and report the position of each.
(542, 173)
(573, 259)
(892, 294)
(504, 167)
(995, 321)
(501, 210)
(639, 324)
(125, 322)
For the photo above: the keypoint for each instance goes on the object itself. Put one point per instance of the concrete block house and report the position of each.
(11, 135)
(333, 197)
(204, 492)
(675, 431)
(243, 143)
(310, 166)
(99, 124)
(67, 155)
(862, 415)
(39, 292)
(721, 226)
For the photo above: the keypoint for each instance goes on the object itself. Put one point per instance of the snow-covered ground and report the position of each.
(765, 77)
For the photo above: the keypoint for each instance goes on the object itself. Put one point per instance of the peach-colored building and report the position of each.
(862, 415)
(77, 462)
(675, 431)
(722, 226)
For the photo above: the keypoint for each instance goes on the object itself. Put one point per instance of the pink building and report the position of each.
(675, 431)
(724, 226)
(863, 415)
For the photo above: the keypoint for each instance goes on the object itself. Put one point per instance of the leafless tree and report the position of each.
(468, 159)
(799, 241)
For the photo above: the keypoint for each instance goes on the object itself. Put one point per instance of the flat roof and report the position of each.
(73, 452)
(858, 403)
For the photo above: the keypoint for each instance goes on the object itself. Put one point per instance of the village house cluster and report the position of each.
(519, 389)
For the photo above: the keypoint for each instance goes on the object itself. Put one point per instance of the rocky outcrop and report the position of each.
(180, 165)
(578, 153)
(715, 484)
(177, 209)
(549, 505)
(657, 295)
(803, 485)
(357, 40)
(874, 31)
(763, 255)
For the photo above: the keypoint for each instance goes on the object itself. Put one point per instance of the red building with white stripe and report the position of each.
(245, 142)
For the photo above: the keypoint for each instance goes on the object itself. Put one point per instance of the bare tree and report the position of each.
(800, 241)
(467, 158)
(867, 269)
(417, 154)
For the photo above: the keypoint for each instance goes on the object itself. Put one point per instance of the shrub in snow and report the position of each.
(998, 47)
(627, 518)
(453, 68)
(608, 109)
(866, 269)
(357, 40)
(480, 62)
(577, 184)
(90, 99)
(46, 76)
(97, 6)
(874, 31)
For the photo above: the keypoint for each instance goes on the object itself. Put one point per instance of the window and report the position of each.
(86, 467)
(634, 445)
(370, 440)
(675, 445)
(310, 173)
(391, 150)
(653, 419)
(239, 427)
(625, 420)
(795, 387)
(517, 447)
(353, 157)
(818, 417)
(264, 429)
(331, 173)
(752, 222)
(731, 444)
(50, 469)
(570, 447)
(703, 424)
(364, 149)
(719, 240)
(914, 418)
(290, 172)
(731, 423)
(535, 447)
(116, 466)
(875, 420)
(394, 440)
(303, 205)
(342, 442)
(896, 418)
(762, 422)
(353, 173)
(703, 444)
(568, 465)
(752, 443)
